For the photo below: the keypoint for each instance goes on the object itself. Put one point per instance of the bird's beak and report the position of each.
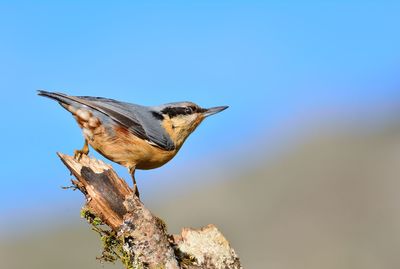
(214, 110)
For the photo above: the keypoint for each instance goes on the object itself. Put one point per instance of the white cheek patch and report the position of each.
(184, 121)
(193, 117)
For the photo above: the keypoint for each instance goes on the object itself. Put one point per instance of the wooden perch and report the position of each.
(134, 235)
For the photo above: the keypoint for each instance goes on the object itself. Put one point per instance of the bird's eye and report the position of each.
(188, 110)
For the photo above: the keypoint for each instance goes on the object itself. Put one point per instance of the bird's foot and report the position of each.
(84, 151)
(79, 153)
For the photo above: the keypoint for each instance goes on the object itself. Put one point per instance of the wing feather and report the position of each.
(137, 119)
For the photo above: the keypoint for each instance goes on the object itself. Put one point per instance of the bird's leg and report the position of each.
(135, 188)
(84, 151)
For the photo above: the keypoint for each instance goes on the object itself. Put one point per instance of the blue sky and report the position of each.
(270, 61)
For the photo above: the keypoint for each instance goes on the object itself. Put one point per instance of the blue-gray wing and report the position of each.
(139, 120)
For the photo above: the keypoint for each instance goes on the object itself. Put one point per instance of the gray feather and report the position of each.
(139, 120)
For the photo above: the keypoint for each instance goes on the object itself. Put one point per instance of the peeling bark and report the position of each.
(144, 240)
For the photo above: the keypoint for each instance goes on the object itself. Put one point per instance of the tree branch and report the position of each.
(131, 233)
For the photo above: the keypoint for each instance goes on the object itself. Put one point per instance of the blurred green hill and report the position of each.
(330, 201)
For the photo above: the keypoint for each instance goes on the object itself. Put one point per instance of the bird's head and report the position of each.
(181, 119)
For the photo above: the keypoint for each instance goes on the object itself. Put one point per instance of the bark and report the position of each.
(131, 233)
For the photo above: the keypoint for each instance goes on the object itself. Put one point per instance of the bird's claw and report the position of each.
(84, 151)
(79, 153)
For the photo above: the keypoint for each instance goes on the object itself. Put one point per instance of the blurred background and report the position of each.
(303, 169)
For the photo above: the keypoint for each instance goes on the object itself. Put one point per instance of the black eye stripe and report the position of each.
(175, 111)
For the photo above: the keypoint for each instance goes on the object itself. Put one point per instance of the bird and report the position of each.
(134, 136)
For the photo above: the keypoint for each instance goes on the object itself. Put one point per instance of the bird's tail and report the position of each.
(60, 97)
(70, 103)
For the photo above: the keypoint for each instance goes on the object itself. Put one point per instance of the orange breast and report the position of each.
(127, 149)
(119, 145)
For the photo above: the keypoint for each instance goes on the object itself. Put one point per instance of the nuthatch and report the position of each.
(135, 136)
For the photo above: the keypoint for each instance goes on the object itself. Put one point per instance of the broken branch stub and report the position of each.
(142, 237)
